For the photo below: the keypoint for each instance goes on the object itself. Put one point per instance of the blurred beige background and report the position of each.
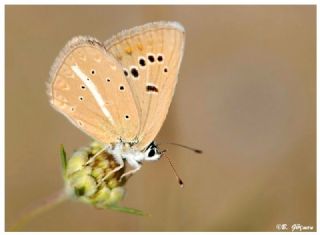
(246, 96)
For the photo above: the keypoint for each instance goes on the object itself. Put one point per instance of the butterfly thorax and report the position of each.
(127, 151)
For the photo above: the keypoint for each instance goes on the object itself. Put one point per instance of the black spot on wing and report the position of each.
(142, 62)
(152, 88)
(134, 72)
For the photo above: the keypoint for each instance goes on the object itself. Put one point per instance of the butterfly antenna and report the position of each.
(174, 170)
(187, 147)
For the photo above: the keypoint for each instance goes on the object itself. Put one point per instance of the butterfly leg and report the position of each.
(97, 154)
(133, 163)
(119, 160)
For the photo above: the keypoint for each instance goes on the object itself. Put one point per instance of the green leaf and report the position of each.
(63, 158)
(128, 210)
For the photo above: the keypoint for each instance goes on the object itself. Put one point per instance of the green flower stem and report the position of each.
(44, 206)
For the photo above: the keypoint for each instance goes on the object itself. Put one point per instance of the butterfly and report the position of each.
(119, 92)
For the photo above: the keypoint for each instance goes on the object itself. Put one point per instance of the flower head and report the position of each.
(85, 177)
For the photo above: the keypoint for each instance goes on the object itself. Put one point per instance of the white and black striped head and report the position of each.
(152, 152)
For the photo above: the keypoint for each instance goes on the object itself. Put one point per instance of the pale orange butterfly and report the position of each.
(119, 92)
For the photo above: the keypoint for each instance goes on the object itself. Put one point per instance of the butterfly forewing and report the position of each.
(150, 56)
(88, 86)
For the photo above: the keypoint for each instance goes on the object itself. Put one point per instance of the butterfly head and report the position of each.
(152, 152)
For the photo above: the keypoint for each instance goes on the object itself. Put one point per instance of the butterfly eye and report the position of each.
(165, 69)
(81, 98)
(127, 117)
(83, 87)
(151, 153)
(108, 79)
(121, 88)
(93, 72)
